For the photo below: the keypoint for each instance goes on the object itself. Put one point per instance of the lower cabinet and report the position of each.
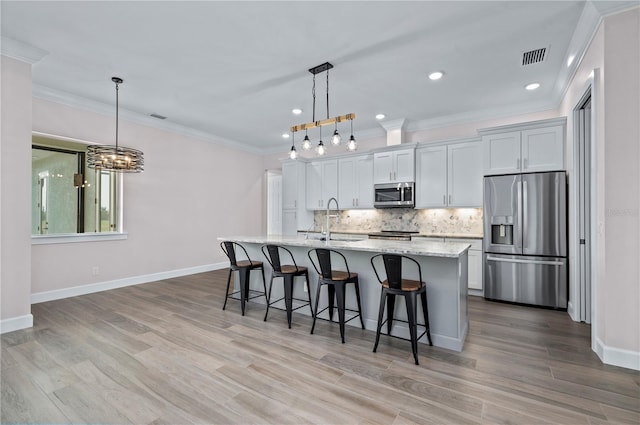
(474, 258)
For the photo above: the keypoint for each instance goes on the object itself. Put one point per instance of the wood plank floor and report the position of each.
(165, 352)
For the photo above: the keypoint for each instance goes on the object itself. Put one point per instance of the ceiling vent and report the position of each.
(534, 56)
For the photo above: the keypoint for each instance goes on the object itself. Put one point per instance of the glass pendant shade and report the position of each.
(320, 150)
(306, 143)
(336, 139)
(293, 153)
(351, 144)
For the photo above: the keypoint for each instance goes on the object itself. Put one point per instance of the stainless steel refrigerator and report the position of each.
(525, 239)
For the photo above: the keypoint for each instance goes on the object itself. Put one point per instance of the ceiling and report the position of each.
(231, 72)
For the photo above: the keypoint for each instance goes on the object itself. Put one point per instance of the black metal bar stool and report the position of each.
(335, 281)
(243, 267)
(288, 273)
(394, 285)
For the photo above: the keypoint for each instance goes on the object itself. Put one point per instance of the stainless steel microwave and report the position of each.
(394, 195)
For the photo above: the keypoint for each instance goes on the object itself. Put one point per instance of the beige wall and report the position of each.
(15, 186)
(190, 193)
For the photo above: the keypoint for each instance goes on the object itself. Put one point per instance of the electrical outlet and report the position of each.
(95, 271)
(304, 287)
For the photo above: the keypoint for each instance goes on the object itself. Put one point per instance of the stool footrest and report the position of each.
(306, 303)
(257, 294)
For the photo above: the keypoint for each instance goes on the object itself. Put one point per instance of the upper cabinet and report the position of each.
(449, 175)
(394, 166)
(530, 147)
(322, 183)
(355, 185)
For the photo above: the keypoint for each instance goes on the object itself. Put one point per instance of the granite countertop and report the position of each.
(416, 247)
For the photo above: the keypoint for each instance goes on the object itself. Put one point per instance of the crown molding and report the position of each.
(21, 51)
(68, 99)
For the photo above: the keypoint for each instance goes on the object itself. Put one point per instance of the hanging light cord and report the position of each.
(327, 94)
(117, 89)
(313, 93)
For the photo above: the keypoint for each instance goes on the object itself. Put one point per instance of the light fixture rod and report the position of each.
(118, 81)
(322, 123)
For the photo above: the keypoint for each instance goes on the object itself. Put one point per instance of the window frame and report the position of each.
(118, 234)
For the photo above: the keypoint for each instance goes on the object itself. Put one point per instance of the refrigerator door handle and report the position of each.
(518, 236)
(521, 261)
(525, 215)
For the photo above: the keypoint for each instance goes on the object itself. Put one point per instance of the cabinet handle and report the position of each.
(295, 203)
(357, 202)
(390, 175)
(444, 199)
(518, 163)
(449, 199)
(526, 164)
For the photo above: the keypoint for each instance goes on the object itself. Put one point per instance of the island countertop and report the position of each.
(414, 247)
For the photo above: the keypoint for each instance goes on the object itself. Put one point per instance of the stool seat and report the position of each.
(243, 267)
(292, 269)
(335, 280)
(405, 284)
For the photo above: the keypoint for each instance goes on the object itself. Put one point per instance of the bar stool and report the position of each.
(288, 273)
(335, 281)
(244, 268)
(394, 285)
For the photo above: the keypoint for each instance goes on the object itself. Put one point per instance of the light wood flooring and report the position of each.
(165, 352)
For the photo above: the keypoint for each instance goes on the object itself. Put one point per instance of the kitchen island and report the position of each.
(444, 269)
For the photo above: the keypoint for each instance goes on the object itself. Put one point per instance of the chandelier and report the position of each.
(115, 158)
(336, 139)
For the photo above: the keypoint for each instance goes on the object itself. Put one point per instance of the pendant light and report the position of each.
(335, 139)
(351, 144)
(115, 158)
(293, 154)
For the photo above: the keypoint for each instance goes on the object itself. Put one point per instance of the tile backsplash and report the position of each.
(429, 221)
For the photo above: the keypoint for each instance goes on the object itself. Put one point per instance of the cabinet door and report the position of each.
(314, 185)
(431, 181)
(329, 179)
(289, 185)
(502, 153)
(464, 180)
(543, 149)
(364, 179)
(347, 183)
(474, 279)
(404, 166)
(289, 222)
(382, 167)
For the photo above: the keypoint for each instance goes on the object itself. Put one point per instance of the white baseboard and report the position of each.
(617, 357)
(75, 291)
(16, 323)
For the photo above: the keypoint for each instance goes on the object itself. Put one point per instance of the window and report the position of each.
(67, 196)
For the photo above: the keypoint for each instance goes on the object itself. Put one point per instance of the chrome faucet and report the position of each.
(336, 215)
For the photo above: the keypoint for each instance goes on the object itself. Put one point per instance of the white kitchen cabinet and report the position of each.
(524, 148)
(474, 258)
(322, 183)
(355, 182)
(449, 176)
(295, 215)
(394, 166)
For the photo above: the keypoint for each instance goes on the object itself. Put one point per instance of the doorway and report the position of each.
(583, 148)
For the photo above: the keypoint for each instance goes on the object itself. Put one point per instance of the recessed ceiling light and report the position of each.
(380, 116)
(296, 111)
(532, 86)
(436, 75)
(285, 135)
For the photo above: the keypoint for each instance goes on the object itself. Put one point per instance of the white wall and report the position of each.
(15, 188)
(191, 193)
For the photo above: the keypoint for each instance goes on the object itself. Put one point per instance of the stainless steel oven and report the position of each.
(394, 195)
